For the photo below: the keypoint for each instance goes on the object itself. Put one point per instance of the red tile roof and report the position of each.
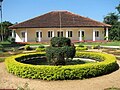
(52, 20)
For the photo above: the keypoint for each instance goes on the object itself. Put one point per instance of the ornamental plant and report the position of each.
(60, 51)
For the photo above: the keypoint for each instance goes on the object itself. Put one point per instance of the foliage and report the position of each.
(118, 8)
(47, 72)
(80, 45)
(41, 46)
(60, 50)
(27, 47)
(81, 48)
(111, 43)
(96, 47)
(60, 41)
(2, 59)
(11, 39)
(38, 49)
(1, 47)
(113, 19)
(5, 32)
(59, 55)
(112, 88)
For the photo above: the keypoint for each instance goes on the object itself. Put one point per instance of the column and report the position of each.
(39, 36)
(26, 36)
(53, 33)
(13, 34)
(107, 34)
(93, 35)
(66, 33)
(80, 35)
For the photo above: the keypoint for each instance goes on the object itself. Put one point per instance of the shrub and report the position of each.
(46, 72)
(60, 41)
(2, 59)
(41, 46)
(1, 48)
(80, 45)
(81, 48)
(38, 49)
(11, 39)
(96, 47)
(60, 49)
(27, 47)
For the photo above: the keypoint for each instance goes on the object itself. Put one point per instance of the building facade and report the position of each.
(60, 23)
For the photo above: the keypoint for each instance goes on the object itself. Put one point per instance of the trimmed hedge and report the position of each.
(60, 42)
(38, 49)
(47, 72)
(81, 48)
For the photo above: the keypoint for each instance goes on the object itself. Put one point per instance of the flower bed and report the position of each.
(46, 72)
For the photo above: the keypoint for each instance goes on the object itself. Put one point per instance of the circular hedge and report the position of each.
(47, 72)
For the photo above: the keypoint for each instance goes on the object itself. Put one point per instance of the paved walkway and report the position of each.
(99, 83)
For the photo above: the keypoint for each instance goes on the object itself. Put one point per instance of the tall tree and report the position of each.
(5, 32)
(113, 19)
(118, 8)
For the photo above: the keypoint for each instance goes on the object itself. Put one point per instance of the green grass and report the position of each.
(112, 88)
(5, 42)
(113, 43)
(2, 59)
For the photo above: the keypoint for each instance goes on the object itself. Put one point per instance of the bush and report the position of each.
(81, 48)
(96, 47)
(38, 49)
(80, 45)
(2, 59)
(60, 50)
(60, 41)
(11, 39)
(1, 48)
(41, 46)
(27, 47)
(46, 72)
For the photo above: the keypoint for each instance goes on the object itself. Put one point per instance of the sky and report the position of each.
(22, 10)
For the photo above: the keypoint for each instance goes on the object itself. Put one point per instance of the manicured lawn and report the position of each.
(112, 43)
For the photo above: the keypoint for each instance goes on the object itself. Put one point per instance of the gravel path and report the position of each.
(99, 83)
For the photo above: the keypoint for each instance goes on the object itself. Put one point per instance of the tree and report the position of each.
(5, 32)
(118, 8)
(113, 19)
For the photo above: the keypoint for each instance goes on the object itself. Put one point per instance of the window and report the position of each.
(78, 33)
(69, 33)
(82, 32)
(40, 34)
(60, 33)
(50, 34)
(37, 34)
(96, 33)
(23, 34)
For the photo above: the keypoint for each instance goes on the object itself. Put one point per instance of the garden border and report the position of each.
(47, 72)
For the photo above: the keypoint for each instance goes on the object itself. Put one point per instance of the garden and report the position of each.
(60, 61)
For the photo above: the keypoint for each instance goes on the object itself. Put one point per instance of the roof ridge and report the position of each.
(50, 19)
